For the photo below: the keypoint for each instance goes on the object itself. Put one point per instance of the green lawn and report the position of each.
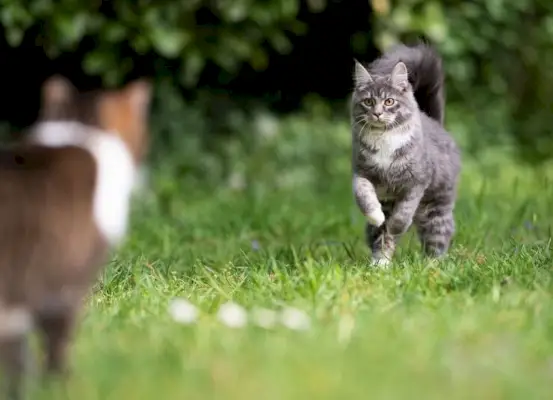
(476, 325)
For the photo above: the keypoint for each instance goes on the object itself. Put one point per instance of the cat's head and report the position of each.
(124, 111)
(380, 103)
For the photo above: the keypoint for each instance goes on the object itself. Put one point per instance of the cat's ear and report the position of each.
(57, 96)
(361, 75)
(57, 89)
(139, 94)
(126, 112)
(400, 77)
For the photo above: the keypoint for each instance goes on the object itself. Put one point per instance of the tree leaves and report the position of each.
(169, 42)
(167, 28)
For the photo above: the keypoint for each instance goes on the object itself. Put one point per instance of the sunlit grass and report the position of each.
(477, 324)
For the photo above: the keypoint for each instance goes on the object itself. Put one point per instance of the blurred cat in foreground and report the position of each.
(65, 192)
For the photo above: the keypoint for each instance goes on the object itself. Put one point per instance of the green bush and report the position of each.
(234, 33)
(498, 53)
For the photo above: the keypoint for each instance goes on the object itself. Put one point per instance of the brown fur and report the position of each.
(50, 247)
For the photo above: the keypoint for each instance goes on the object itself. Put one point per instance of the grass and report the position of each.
(477, 324)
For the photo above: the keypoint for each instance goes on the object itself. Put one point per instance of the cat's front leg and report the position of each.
(367, 201)
(404, 210)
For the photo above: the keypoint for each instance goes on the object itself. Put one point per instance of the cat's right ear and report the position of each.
(361, 75)
(139, 97)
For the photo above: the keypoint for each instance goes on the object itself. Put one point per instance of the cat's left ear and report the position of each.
(400, 77)
(56, 97)
(361, 75)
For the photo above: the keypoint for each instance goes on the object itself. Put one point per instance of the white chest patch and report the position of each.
(115, 171)
(387, 144)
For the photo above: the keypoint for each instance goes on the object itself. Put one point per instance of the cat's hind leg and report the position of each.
(15, 325)
(435, 226)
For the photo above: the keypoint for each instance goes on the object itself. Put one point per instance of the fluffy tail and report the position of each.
(426, 75)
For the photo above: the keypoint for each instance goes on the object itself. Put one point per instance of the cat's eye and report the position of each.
(368, 102)
(389, 102)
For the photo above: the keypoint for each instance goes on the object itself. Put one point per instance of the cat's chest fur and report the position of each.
(381, 152)
(383, 158)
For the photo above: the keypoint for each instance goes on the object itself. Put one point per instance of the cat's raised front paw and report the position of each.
(376, 217)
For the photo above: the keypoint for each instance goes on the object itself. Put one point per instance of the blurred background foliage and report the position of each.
(228, 72)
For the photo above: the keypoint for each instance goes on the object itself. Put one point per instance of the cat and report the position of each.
(65, 191)
(405, 164)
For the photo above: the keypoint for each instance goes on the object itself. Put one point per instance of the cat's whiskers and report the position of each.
(362, 119)
(365, 126)
(359, 120)
(392, 125)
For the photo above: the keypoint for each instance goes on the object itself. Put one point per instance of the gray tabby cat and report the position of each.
(405, 164)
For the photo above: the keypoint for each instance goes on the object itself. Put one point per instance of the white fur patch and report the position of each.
(376, 217)
(14, 321)
(387, 143)
(115, 171)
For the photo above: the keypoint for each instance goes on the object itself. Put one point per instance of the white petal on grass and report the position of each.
(183, 311)
(295, 319)
(232, 315)
(264, 318)
(237, 181)
(345, 328)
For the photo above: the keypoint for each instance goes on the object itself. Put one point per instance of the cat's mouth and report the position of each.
(378, 120)
(378, 124)
(371, 125)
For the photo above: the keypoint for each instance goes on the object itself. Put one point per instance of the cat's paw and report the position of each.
(381, 262)
(376, 217)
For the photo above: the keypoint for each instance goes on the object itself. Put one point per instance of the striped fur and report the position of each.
(405, 165)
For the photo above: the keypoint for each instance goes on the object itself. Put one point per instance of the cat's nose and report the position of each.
(377, 114)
